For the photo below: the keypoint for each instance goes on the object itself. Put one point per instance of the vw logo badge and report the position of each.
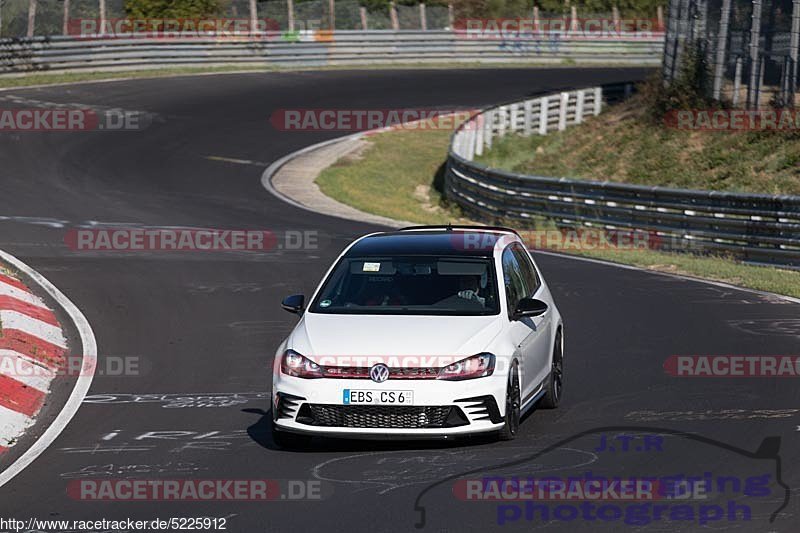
(379, 373)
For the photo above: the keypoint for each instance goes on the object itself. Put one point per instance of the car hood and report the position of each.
(370, 335)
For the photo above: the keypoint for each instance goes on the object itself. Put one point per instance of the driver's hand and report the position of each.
(471, 295)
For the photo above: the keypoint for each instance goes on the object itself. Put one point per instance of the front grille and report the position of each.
(356, 372)
(381, 416)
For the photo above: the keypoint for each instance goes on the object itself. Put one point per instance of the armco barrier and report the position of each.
(315, 49)
(753, 227)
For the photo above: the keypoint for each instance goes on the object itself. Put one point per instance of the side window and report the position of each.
(528, 270)
(512, 276)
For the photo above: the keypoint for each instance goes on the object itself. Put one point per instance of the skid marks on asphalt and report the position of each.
(180, 401)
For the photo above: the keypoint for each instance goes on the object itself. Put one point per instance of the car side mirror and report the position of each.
(294, 303)
(529, 307)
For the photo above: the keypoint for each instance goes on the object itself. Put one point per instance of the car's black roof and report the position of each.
(430, 242)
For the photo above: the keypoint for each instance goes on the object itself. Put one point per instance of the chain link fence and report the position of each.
(750, 47)
(21, 18)
(51, 17)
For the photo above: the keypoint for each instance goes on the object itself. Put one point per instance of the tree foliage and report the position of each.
(155, 9)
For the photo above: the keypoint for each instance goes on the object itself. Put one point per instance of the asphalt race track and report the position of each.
(209, 324)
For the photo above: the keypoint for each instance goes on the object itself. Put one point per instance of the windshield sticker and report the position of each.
(372, 267)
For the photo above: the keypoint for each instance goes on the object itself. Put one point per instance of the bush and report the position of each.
(689, 90)
(189, 9)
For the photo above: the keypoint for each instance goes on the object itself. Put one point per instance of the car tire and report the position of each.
(513, 404)
(555, 380)
(286, 440)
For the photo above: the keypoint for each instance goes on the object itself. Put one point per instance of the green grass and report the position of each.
(621, 145)
(74, 77)
(395, 179)
(386, 179)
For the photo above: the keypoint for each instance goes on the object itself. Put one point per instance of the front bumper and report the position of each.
(441, 409)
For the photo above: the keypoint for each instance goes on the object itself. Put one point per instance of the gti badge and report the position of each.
(379, 373)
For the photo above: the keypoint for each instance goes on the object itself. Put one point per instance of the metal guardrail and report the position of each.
(752, 227)
(316, 49)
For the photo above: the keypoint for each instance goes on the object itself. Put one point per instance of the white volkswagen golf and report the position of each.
(424, 332)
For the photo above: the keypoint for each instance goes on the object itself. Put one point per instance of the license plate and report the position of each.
(377, 397)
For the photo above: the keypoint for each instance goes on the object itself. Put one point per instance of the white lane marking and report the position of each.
(33, 326)
(28, 371)
(37, 221)
(12, 425)
(82, 384)
(791, 299)
(19, 294)
(236, 161)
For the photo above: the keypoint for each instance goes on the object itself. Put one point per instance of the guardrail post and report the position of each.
(393, 15)
(363, 12)
(31, 17)
(737, 82)
(544, 112)
(451, 20)
(488, 132)
(598, 100)
(514, 116)
(562, 112)
(290, 14)
(722, 42)
(579, 107)
(423, 20)
(478, 124)
(332, 14)
(527, 116)
(755, 34)
(573, 23)
(102, 17)
(660, 17)
(615, 17)
(253, 17)
(501, 122)
(65, 24)
(536, 19)
(470, 144)
(794, 47)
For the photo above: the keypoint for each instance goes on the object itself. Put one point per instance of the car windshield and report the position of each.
(410, 285)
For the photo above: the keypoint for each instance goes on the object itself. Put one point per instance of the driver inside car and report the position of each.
(469, 287)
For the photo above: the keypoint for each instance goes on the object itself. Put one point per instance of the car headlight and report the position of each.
(477, 366)
(294, 364)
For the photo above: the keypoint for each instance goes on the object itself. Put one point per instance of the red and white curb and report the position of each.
(32, 348)
(32, 353)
